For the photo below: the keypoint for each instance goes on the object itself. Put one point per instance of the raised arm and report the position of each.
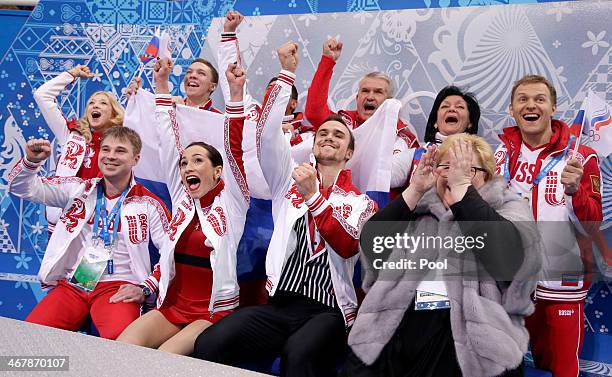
(235, 175)
(46, 99)
(170, 147)
(24, 183)
(229, 53)
(317, 110)
(273, 150)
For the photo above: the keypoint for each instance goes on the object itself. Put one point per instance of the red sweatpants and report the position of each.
(557, 332)
(66, 307)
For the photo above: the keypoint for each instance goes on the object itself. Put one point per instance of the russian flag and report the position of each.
(152, 50)
(577, 126)
(594, 120)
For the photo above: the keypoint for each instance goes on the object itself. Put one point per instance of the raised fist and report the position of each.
(232, 20)
(236, 78)
(288, 56)
(81, 71)
(37, 150)
(162, 69)
(332, 48)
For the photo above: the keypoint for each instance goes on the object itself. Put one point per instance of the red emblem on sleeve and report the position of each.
(72, 216)
(294, 195)
(177, 220)
(219, 224)
(73, 150)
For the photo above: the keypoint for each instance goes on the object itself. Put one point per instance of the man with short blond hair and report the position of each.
(539, 159)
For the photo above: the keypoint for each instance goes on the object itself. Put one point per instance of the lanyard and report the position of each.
(544, 172)
(107, 219)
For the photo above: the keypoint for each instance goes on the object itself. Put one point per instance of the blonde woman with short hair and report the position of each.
(79, 139)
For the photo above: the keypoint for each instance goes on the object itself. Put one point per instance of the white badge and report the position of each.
(429, 301)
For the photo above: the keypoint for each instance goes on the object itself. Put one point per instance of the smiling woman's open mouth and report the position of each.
(193, 182)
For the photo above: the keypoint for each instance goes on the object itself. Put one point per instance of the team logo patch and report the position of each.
(134, 223)
(216, 218)
(294, 195)
(73, 150)
(344, 210)
(596, 184)
(72, 216)
(177, 220)
(500, 158)
(552, 191)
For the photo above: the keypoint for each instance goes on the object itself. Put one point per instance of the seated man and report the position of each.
(98, 253)
(374, 89)
(318, 215)
(227, 53)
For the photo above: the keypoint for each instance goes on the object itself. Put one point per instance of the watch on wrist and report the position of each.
(146, 291)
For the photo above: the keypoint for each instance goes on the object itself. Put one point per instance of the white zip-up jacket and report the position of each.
(339, 212)
(222, 222)
(143, 217)
(75, 151)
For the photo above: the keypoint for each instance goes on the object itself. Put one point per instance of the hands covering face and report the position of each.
(424, 178)
(452, 176)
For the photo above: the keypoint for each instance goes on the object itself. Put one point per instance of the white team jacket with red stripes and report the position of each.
(143, 215)
(222, 222)
(339, 212)
(74, 146)
(550, 204)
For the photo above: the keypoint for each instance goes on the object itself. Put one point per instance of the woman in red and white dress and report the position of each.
(196, 275)
(79, 139)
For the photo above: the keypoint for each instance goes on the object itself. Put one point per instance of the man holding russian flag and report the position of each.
(561, 181)
(200, 80)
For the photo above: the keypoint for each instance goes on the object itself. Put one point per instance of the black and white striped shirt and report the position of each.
(309, 277)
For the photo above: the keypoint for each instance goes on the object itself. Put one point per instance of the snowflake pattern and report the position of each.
(22, 261)
(37, 228)
(596, 41)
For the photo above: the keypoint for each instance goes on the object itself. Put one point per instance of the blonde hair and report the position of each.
(116, 118)
(479, 145)
(535, 79)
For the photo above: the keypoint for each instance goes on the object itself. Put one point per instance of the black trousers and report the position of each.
(422, 346)
(310, 337)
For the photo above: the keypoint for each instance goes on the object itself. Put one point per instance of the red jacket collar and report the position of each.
(512, 138)
(344, 181)
(209, 197)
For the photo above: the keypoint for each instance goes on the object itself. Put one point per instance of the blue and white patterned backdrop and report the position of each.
(484, 48)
